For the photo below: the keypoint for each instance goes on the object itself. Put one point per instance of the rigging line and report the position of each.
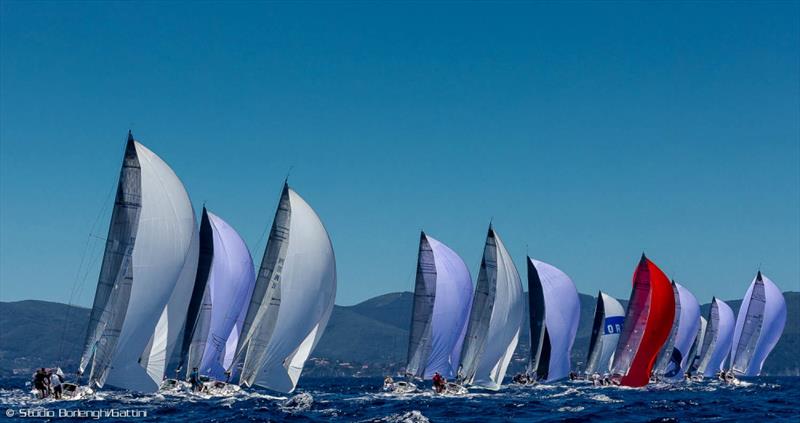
(76, 284)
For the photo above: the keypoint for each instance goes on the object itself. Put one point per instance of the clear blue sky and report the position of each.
(590, 132)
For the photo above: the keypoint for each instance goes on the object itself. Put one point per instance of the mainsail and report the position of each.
(648, 321)
(718, 338)
(551, 361)
(606, 327)
(495, 317)
(442, 297)
(686, 332)
(759, 325)
(665, 354)
(151, 247)
(693, 361)
(297, 282)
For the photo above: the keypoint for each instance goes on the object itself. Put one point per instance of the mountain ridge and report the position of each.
(365, 339)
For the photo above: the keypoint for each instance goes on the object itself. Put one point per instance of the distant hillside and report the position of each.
(370, 338)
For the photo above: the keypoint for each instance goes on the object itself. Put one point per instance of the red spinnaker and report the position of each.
(659, 322)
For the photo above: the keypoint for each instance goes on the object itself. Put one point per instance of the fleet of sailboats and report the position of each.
(174, 298)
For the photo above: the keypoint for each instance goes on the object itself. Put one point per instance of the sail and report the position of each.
(153, 259)
(442, 297)
(648, 321)
(421, 334)
(198, 316)
(685, 334)
(108, 309)
(481, 310)
(718, 338)
(665, 354)
(562, 311)
(495, 317)
(606, 327)
(307, 291)
(230, 284)
(265, 301)
(759, 325)
(693, 361)
(536, 314)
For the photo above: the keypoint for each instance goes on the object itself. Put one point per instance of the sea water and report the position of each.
(361, 400)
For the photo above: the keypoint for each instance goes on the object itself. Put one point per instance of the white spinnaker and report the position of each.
(504, 325)
(308, 290)
(163, 248)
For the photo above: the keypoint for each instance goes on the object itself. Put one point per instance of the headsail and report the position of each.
(152, 240)
(718, 338)
(648, 321)
(300, 267)
(759, 326)
(607, 325)
(495, 317)
(442, 297)
(561, 314)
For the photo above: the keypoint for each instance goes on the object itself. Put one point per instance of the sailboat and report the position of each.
(718, 338)
(442, 297)
(648, 321)
(693, 361)
(292, 299)
(223, 284)
(609, 316)
(759, 325)
(151, 247)
(554, 313)
(684, 331)
(495, 318)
